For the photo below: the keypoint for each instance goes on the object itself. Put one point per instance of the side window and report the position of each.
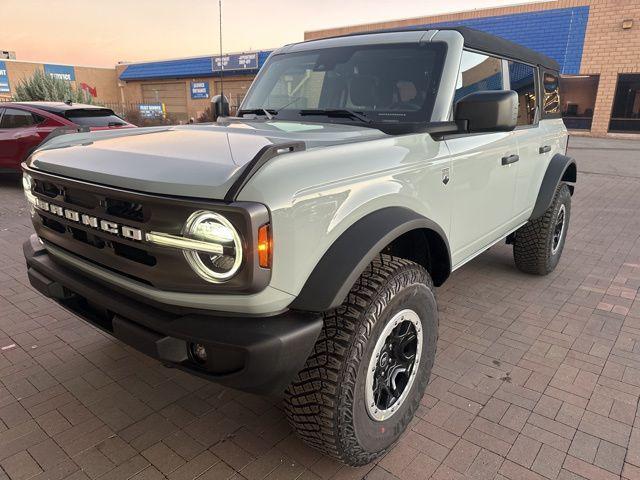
(478, 72)
(13, 118)
(551, 85)
(523, 81)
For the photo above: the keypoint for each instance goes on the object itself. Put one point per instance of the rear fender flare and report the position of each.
(560, 169)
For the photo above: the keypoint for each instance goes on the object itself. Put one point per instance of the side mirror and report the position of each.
(488, 111)
(219, 107)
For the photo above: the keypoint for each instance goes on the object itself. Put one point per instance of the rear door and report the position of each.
(530, 136)
(483, 188)
(18, 136)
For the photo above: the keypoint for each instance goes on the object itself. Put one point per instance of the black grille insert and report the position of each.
(125, 209)
(49, 189)
(53, 225)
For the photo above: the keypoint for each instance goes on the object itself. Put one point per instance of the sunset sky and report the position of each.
(101, 32)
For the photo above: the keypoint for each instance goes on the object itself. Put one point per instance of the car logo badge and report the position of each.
(445, 175)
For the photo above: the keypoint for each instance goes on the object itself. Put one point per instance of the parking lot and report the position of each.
(535, 377)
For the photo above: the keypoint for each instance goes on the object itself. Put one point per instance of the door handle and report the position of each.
(510, 159)
(544, 149)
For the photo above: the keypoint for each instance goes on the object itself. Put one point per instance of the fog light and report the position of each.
(198, 352)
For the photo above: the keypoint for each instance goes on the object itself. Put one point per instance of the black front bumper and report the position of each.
(255, 354)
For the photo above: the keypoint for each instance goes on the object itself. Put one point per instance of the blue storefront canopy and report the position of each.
(235, 64)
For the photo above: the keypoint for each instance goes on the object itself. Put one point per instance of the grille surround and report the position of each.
(161, 267)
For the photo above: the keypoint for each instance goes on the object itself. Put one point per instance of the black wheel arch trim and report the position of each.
(560, 169)
(346, 259)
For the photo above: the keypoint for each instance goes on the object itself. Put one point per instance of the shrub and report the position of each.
(45, 88)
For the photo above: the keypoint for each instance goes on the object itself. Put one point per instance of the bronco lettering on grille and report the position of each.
(113, 228)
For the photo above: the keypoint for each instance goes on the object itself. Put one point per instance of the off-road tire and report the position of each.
(533, 243)
(325, 402)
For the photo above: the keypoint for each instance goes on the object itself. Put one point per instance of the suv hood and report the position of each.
(200, 161)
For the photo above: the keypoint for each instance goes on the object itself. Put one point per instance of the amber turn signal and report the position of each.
(265, 246)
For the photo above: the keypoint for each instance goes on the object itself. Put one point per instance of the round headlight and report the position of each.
(213, 228)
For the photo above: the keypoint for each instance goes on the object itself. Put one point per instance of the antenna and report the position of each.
(221, 59)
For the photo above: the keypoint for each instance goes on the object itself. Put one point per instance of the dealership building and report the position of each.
(185, 86)
(596, 43)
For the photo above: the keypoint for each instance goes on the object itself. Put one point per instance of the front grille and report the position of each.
(162, 267)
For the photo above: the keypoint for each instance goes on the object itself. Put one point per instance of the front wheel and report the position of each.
(538, 245)
(370, 367)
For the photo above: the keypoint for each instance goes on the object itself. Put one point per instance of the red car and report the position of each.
(24, 125)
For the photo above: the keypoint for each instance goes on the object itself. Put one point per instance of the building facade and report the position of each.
(596, 42)
(185, 86)
(98, 83)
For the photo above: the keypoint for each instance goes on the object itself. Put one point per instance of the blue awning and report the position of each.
(185, 68)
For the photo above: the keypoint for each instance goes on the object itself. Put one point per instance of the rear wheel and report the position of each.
(538, 245)
(369, 369)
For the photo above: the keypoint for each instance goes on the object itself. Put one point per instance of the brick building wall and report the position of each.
(103, 80)
(586, 36)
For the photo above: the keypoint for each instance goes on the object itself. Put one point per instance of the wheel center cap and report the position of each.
(384, 359)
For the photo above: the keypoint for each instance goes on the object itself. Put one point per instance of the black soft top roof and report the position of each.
(486, 42)
(475, 39)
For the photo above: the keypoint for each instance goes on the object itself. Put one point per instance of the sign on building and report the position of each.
(63, 72)
(4, 78)
(152, 110)
(199, 90)
(242, 61)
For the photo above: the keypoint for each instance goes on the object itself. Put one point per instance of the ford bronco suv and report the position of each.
(294, 249)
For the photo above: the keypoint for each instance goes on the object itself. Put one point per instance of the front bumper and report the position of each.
(255, 354)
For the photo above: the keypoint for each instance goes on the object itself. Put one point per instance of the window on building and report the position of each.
(13, 118)
(522, 79)
(478, 72)
(551, 85)
(625, 115)
(578, 100)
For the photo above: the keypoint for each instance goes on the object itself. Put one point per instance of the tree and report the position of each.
(46, 88)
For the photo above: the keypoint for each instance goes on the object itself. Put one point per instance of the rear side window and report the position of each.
(523, 81)
(551, 85)
(98, 117)
(14, 118)
(478, 72)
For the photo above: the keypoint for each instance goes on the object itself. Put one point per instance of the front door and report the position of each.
(484, 169)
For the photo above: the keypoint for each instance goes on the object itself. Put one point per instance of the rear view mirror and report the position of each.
(488, 111)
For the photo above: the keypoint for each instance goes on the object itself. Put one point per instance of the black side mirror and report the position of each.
(488, 111)
(219, 107)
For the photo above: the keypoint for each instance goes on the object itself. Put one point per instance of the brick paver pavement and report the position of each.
(535, 377)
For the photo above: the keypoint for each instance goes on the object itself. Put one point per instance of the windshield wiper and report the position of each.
(337, 112)
(269, 113)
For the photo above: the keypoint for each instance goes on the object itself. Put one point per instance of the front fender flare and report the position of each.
(560, 168)
(346, 259)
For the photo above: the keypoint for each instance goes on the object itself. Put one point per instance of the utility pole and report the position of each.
(221, 58)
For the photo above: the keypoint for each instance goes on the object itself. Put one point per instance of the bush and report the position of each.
(45, 88)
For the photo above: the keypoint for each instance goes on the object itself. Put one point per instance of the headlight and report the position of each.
(213, 228)
(27, 182)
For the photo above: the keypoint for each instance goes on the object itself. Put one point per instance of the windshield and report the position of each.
(102, 117)
(383, 83)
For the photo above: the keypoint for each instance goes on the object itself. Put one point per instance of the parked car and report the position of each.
(24, 125)
(296, 248)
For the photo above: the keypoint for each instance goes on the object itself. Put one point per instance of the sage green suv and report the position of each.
(294, 249)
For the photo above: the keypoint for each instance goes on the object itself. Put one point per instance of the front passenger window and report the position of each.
(478, 72)
(523, 81)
